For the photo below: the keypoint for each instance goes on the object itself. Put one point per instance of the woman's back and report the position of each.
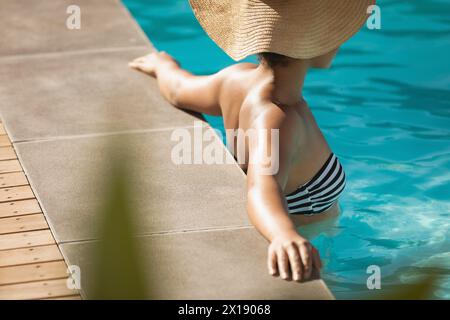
(247, 96)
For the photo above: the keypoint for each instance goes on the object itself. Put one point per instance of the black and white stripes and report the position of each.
(321, 192)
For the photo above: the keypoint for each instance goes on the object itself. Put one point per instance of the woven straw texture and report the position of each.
(299, 29)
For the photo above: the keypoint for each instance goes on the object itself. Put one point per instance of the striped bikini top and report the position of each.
(319, 193)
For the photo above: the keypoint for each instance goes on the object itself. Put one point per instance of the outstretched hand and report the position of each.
(292, 257)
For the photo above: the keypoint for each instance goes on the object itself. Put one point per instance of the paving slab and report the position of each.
(64, 95)
(29, 27)
(219, 264)
(167, 197)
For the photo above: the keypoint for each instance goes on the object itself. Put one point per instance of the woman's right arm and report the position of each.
(289, 254)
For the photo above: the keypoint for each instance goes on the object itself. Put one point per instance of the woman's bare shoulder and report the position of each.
(269, 114)
(242, 66)
(236, 69)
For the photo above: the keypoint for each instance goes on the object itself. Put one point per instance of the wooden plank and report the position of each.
(10, 166)
(76, 297)
(29, 255)
(23, 223)
(26, 239)
(13, 179)
(7, 153)
(17, 208)
(33, 272)
(4, 140)
(16, 193)
(31, 265)
(36, 290)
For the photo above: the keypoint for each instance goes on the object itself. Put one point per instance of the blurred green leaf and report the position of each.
(117, 268)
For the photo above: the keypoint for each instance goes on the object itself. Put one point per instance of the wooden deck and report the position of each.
(31, 265)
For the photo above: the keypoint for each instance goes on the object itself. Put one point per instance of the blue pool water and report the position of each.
(384, 107)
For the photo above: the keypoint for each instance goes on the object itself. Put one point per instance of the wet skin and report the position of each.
(251, 96)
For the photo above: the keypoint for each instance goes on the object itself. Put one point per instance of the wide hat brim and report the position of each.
(301, 29)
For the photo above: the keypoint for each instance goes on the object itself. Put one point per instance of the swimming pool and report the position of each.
(384, 107)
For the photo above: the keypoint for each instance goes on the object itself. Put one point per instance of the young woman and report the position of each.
(289, 37)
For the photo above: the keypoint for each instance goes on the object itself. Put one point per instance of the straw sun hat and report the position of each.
(299, 29)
